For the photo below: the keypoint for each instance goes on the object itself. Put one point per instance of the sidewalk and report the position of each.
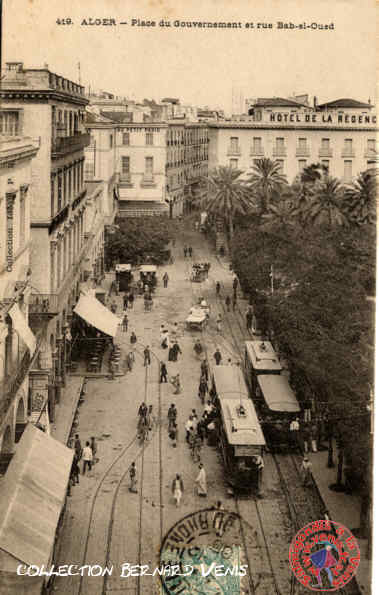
(65, 410)
(342, 508)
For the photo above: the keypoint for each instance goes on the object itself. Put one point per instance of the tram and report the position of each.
(241, 439)
(124, 276)
(270, 390)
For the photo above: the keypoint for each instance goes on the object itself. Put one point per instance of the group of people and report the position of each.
(145, 422)
(87, 454)
(187, 250)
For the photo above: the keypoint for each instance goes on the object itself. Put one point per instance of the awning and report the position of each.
(32, 496)
(22, 328)
(97, 315)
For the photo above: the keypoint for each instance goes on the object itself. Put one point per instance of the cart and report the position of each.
(199, 272)
(196, 320)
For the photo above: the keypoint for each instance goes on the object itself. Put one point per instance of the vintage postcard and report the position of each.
(187, 296)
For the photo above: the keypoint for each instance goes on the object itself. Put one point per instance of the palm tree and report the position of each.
(313, 173)
(304, 183)
(326, 204)
(266, 180)
(360, 199)
(281, 214)
(226, 195)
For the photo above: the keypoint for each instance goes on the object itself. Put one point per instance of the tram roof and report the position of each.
(241, 429)
(262, 355)
(278, 394)
(120, 268)
(148, 268)
(230, 382)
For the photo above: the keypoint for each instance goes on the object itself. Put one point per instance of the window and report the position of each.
(281, 165)
(302, 164)
(348, 146)
(302, 144)
(280, 148)
(149, 168)
(234, 144)
(325, 164)
(52, 195)
(348, 170)
(233, 163)
(325, 144)
(59, 191)
(126, 138)
(125, 165)
(149, 138)
(371, 144)
(89, 170)
(9, 123)
(257, 145)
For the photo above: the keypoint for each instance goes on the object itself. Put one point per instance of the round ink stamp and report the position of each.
(202, 553)
(324, 556)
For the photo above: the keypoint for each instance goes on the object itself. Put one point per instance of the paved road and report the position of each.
(105, 524)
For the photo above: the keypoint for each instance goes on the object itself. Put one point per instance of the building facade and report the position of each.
(18, 347)
(341, 135)
(40, 103)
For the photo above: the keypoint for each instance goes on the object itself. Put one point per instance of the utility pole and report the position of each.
(272, 279)
(80, 82)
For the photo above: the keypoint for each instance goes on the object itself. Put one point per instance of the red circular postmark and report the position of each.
(324, 555)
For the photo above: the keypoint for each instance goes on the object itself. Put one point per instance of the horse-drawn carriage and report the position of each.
(200, 271)
(198, 315)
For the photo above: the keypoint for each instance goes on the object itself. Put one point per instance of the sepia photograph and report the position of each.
(188, 196)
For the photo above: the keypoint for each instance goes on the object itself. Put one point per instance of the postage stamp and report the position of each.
(324, 556)
(202, 554)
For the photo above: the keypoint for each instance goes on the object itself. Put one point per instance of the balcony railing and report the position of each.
(125, 179)
(325, 153)
(148, 180)
(302, 152)
(234, 151)
(68, 144)
(371, 153)
(348, 153)
(279, 152)
(45, 304)
(257, 152)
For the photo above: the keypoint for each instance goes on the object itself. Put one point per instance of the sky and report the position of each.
(201, 66)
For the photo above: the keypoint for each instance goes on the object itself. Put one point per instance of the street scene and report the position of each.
(187, 301)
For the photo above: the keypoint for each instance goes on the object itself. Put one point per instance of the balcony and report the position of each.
(257, 152)
(125, 181)
(44, 305)
(302, 152)
(69, 144)
(279, 152)
(348, 153)
(148, 181)
(371, 154)
(233, 151)
(325, 153)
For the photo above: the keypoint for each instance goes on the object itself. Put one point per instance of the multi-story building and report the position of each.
(18, 345)
(340, 134)
(40, 103)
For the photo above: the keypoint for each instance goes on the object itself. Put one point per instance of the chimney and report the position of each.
(315, 102)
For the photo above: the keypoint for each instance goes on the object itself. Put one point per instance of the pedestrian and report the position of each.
(313, 437)
(198, 348)
(112, 370)
(117, 286)
(185, 249)
(234, 303)
(93, 446)
(260, 466)
(165, 339)
(171, 354)
(175, 351)
(201, 481)
(142, 428)
(219, 323)
(126, 301)
(87, 458)
(218, 288)
(203, 389)
(133, 338)
(125, 323)
(294, 432)
(249, 318)
(235, 284)
(217, 356)
(75, 470)
(130, 359)
(163, 373)
(177, 489)
(175, 331)
(165, 280)
(200, 429)
(190, 251)
(133, 478)
(173, 434)
(78, 447)
(306, 438)
(196, 225)
(113, 307)
(175, 381)
(307, 410)
(171, 415)
(142, 411)
(194, 416)
(218, 518)
(196, 445)
(227, 302)
(208, 408)
(204, 369)
(306, 471)
(189, 427)
(150, 418)
(131, 300)
(146, 356)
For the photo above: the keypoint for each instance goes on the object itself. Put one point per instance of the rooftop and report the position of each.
(277, 102)
(345, 103)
